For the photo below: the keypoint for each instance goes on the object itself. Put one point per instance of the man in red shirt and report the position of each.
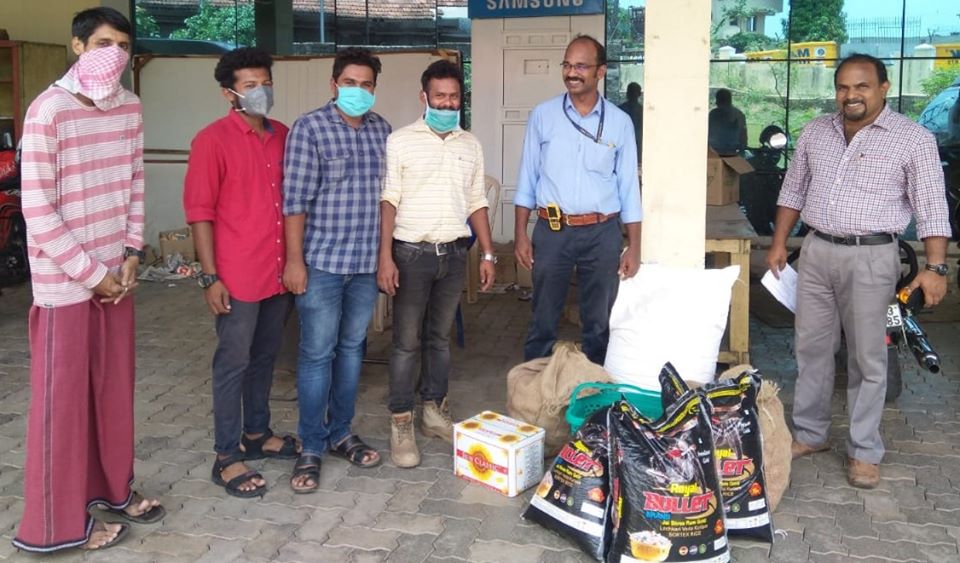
(233, 203)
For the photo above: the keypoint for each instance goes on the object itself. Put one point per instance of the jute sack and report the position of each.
(539, 391)
(776, 436)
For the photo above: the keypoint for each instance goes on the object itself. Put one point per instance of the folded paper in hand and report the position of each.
(785, 288)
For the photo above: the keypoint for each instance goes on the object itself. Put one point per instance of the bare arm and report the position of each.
(295, 271)
(388, 278)
(480, 223)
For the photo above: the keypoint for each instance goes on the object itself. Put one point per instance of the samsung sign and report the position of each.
(532, 8)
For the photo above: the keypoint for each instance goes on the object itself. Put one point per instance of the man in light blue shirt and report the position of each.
(579, 174)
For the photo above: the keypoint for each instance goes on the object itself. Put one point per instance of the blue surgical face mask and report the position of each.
(354, 100)
(442, 120)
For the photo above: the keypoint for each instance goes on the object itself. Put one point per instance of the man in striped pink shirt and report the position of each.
(83, 203)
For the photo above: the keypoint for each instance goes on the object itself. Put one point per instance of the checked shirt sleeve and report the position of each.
(301, 169)
(926, 191)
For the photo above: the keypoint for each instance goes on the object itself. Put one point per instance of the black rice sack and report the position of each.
(573, 497)
(666, 503)
(739, 449)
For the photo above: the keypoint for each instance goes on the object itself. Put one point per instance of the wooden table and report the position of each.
(728, 237)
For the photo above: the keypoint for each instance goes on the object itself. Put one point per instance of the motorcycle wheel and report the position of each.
(894, 378)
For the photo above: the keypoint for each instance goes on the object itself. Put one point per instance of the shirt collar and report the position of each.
(331, 114)
(237, 119)
(421, 125)
(882, 120)
(596, 107)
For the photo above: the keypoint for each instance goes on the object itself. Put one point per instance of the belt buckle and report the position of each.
(437, 246)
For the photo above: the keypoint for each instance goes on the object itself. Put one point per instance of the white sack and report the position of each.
(667, 314)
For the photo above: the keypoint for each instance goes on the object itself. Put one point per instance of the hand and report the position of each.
(109, 288)
(629, 263)
(218, 298)
(388, 277)
(777, 259)
(295, 277)
(934, 287)
(523, 251)
(488, 273)
(128, 280)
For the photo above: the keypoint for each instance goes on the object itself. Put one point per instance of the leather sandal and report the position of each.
(309, 465)
(253, 447)
(233, 486)
(155, 514)
(354, 450)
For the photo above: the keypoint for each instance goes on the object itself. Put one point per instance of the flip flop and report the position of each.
(155, 514)
(100, 526)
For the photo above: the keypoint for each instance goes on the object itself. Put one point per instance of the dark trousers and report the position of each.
(595, 252)
(430, 288)
(249, 339)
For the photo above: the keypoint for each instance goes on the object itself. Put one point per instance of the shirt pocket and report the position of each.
(599, 158)
(879, 173)
(334, 166)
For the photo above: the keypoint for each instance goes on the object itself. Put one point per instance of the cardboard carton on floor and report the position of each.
(177, 241)
(723, 177)
(499, 452)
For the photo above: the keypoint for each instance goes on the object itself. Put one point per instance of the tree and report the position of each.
(146, 24)
(816, 20)
(233, 24)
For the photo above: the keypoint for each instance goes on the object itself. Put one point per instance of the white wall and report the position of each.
(515, 66)
(180, 97)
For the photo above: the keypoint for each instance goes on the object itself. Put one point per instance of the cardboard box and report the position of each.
(498, 452)
(723, 177)
(177, 241)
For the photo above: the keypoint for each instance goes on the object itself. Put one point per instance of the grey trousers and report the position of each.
(848, 286)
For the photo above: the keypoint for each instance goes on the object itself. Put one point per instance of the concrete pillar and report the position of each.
(274, 25)
(677, 72)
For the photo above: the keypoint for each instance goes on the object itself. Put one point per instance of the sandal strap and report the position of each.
(289, 445)
(258, 442)
(352, 446)
(221, 464)
(307, 463)
(241, 479)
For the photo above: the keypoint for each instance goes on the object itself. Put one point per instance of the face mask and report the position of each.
(354, 101)
(256, 102)
(96, 75)
(442, 120)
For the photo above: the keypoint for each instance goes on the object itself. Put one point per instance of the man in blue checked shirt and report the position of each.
(332, 176)
(579, 174)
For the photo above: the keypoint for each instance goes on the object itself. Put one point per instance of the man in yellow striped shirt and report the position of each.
(433, 186)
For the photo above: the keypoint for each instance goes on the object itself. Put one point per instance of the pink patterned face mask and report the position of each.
(96, 75)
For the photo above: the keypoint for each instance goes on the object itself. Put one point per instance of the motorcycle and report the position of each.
(902, 327)
(14, 263)
(760, 189)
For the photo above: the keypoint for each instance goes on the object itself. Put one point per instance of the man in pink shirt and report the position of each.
(83, 204)
(233, 202)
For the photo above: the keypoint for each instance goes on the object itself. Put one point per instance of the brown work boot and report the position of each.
(436, 420)
(403, 442)
(799, 449)
(863, 475)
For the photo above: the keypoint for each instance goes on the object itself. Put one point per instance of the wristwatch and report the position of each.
(489, 257)
(941, 269)
(129, 251)
(206, 280)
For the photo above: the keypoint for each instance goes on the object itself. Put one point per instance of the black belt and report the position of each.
(862, 240)
(438, 248)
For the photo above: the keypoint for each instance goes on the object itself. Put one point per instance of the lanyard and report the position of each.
(587, 134)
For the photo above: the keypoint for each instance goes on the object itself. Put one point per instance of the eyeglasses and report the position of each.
(579, 67)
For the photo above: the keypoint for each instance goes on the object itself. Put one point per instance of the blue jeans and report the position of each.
(423, 311)
(595, 253)
(249, 340)
(334, 314)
